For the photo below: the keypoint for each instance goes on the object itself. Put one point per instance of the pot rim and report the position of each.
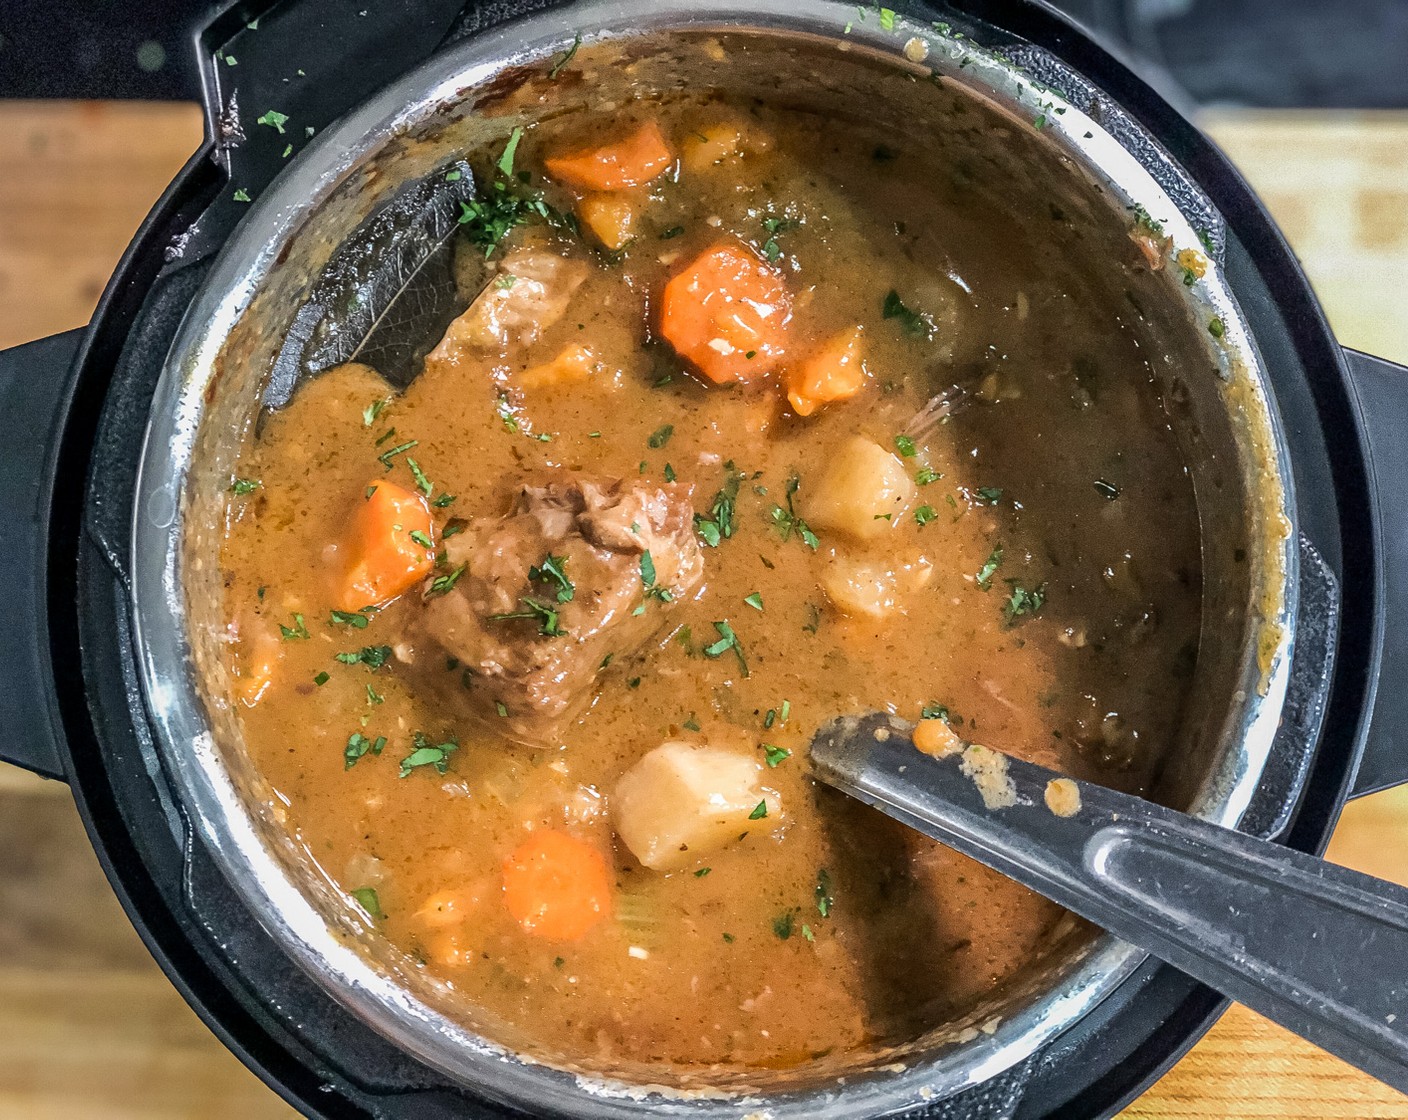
(218, 810)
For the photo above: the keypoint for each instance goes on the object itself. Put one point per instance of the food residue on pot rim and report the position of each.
(1063, 797)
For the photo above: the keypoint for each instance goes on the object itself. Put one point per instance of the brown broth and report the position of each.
(1062, 416)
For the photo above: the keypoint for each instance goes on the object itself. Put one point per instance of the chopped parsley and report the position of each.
(915, 323)
(770, 248)
(905, 446)
(1216, 327)
(422, 483)
(1022, 601)
(553, 571)
(925, 514)
(691, 724)
(297, 630)
(754, 600)
(702, 872)
(386, 456)
(1148, 221)
(545, 615)
(373, 657)
(567, 57)
(647, 578)
(367, 899)
(240, 195)
(926, 475)
(782, 925)
(321, 679)
(420, 538)
(720, 523)
(988, 495)
(887, 19)
(359, 745)
(824, 899)
(989, 568)
(660, 437)
(242, 487)
(442, 585)
(670, 475)
(760, 810)
(1106, 490)
(934, 711)
(373, 410)
(775, 755)
(728, 640)
(671, 233)
(505, 163)
(488, 219)
(274, 119)
(427, 753)
(355, 619)
(787, 521)
(373, 696)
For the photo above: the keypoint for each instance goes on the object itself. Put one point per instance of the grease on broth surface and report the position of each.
(1028, 573)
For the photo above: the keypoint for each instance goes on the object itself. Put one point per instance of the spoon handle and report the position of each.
(1318, 948)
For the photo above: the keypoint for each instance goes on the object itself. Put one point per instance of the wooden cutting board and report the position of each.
(91, 1030)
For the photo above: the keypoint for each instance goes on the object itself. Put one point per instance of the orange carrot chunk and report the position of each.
(836, 372)
(556, 886)
(383, 558)
(629, 162)
(727, 314)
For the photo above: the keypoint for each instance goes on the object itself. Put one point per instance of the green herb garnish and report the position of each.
(359, 745)
(728, 640)
(505, 163)
(989, 568)
(367, 899)
(660, 437)
(775, 755)
(905, 446)
(915, 323)
(553, 570)
(373, 657)
(442, 585)
(297, 630)
(824, 899)
(427, 753)
(354, 619)
(720, 523)
(242, 487)
(925, 514)
(754, 600)
(566, 57)
(1023, 601)
(546, 616)
(274, 119)
(782, 925)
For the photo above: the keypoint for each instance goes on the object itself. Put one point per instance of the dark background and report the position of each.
(1272, 53)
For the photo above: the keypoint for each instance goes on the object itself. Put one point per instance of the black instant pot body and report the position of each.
(75, 712)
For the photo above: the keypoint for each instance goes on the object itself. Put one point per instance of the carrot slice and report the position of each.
(727, 313)
(629, 162)
(383, 559)
(834, 373)
(556, 886)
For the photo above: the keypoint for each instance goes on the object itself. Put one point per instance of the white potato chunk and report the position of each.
(870, 587)
(681, 802)
(860, 587)
(863, 492)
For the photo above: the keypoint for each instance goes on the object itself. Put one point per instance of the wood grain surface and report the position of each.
(91, 1030)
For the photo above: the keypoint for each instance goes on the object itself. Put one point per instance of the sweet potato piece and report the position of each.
(632, 161)
(610, 216)
(836, 372)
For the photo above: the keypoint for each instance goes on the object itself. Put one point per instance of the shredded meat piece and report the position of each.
(541, 669)
(529, 293)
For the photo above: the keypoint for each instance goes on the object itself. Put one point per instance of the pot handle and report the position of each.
(36, 385)
(1380, 389)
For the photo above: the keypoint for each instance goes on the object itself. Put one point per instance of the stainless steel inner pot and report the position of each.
(828, 58)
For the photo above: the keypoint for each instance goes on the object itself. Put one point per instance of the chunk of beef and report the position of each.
(534, 642)
(529, 293)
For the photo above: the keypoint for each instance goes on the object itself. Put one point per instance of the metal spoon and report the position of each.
(1319, 949)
